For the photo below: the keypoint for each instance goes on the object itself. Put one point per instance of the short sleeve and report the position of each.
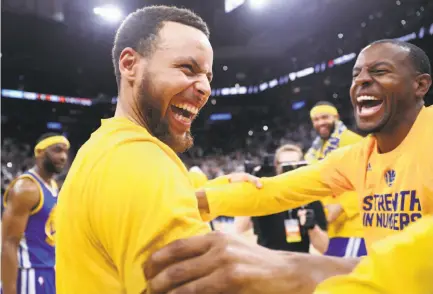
(144, 201)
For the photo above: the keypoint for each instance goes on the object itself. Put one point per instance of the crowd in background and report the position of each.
(17, 156)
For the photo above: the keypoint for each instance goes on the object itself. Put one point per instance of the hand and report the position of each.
(306, 218)
(219, 263)
(244, 177)
(334, 211)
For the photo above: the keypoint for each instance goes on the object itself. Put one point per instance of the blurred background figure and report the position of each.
(294, 230)
(343, 215)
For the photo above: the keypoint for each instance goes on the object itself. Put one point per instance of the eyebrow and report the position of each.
(376, 65)
(195, 63)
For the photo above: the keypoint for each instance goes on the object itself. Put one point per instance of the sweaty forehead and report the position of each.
(383, 52)
(176, 38)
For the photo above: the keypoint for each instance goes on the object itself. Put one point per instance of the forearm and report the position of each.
(9, 261)
(319, 239)
(319, 268)
(286, 191)
(242, 224)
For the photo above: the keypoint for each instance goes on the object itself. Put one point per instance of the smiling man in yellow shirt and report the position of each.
(127, 192)
(391, 170)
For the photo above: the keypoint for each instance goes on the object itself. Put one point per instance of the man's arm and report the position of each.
(144, 202)
(318, 235)
(319, 239)
(21, 199)
(219, 263)
(242, 224)
(282, 192)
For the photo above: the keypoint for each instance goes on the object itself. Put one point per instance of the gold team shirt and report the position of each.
(394, 189)
(198, 179)
(127, 194)
(400, 264)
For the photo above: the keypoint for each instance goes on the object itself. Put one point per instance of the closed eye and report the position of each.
(189, 67)
(379, 71)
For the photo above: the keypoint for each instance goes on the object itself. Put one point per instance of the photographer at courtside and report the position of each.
(294, 229)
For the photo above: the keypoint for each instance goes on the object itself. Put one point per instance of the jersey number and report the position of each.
(50, 229)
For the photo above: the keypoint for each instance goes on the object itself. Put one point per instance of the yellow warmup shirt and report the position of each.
(394, 188)
(127, 194)
(400, 264)
(198, 179)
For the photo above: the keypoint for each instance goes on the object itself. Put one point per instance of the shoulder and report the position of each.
(136, 163)
(349, 137)
(23, 192)
(351, 151)
(139, 154)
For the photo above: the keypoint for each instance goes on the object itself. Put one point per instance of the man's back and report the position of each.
(126, 195)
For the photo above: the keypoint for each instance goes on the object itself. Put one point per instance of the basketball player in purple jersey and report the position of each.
(27, 256)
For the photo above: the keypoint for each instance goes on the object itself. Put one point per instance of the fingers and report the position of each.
(256, 181)
(244, 177)
(183, 272)
(177, 251)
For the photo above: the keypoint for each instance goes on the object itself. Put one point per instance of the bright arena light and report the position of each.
(108, 12)
(257, 4)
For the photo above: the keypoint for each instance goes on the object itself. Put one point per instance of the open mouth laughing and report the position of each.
(368, 105)
(184, 113)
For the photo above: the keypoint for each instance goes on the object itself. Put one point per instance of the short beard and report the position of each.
(150, 108)
(49, 167)
(331, 130)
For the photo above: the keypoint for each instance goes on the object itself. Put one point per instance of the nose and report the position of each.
(202, 88)
(363, 78)
(63, 157)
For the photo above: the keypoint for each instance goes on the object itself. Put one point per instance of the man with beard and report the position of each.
(391, 170)
(127, 192)
(27, 223)
(343, 214)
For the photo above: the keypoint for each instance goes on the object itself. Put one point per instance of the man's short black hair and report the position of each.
(418, 57)
(140, 29)
(323, 102)
(46, 135)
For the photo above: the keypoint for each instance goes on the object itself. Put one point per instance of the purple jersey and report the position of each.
(36, 248)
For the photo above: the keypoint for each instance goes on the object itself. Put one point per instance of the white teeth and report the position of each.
(182, 118)
(367, 98)
(187, 107)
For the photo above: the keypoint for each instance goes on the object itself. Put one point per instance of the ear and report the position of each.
(422, 85)
(128, 64)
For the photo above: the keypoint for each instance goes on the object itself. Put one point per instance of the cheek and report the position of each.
(174, 85)
(352, 89)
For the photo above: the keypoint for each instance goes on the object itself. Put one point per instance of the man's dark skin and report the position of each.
(23, 197)
(216, 263)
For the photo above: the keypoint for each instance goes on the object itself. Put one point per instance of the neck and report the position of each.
(127, 108)
(388, 140)
(46, 176)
